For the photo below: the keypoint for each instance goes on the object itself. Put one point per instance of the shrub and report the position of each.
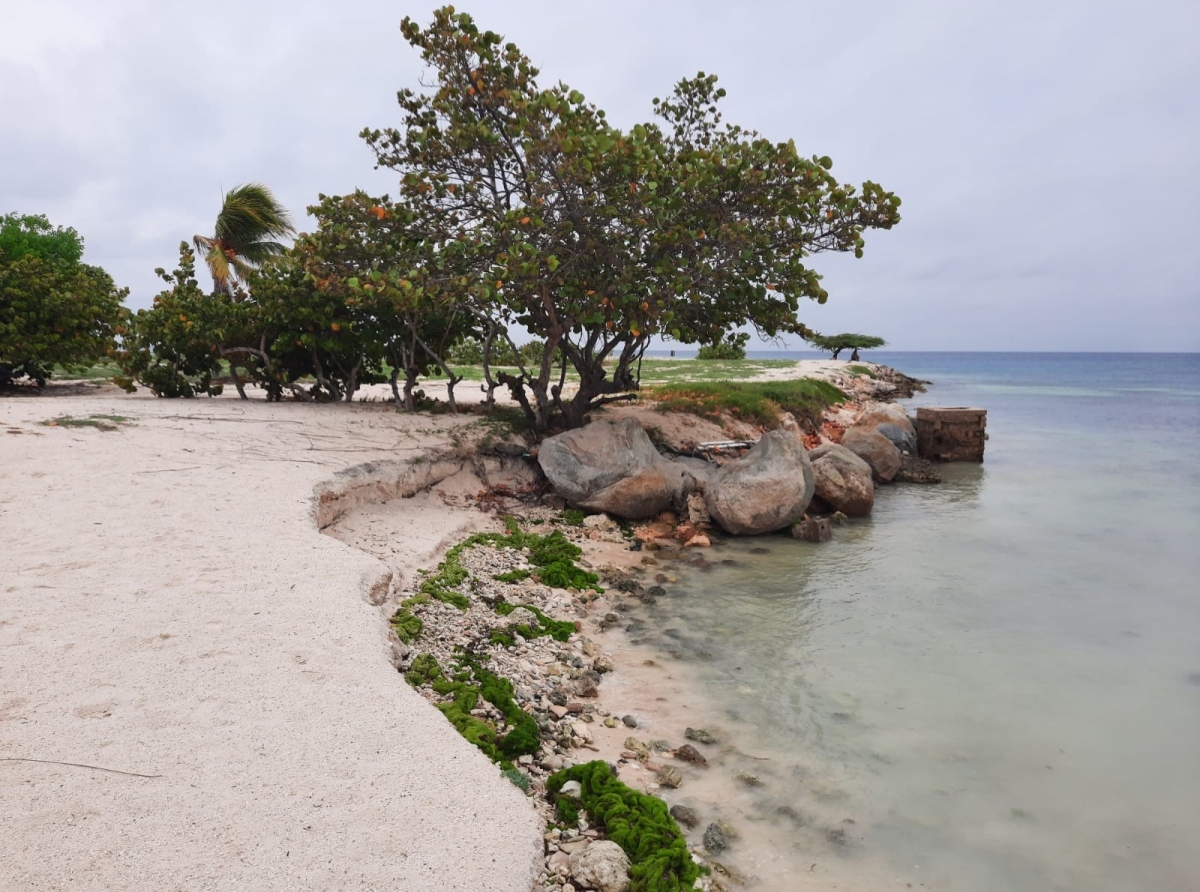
(732, 348)
(758, 401)
(54, 310)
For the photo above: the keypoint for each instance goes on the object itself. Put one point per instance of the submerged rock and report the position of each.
(670, 777)
(699, 735)
(766, 490)
(685, 816)
(691, 755)
(714, 839)
(842, 480)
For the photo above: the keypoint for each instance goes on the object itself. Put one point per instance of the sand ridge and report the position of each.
(168, 607)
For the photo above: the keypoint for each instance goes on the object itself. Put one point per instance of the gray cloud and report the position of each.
(1045, 152)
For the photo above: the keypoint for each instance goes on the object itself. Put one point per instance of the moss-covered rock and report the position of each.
(639, 824)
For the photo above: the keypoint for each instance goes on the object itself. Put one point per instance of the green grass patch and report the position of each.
(100, 422)
(861, 370)
(639, 824)
(573, 517)
(669, 371)
(758, 401)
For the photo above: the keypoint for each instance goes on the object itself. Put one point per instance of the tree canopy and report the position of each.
(847, 341)
(537, 212)
(244, 237)
(54, 309)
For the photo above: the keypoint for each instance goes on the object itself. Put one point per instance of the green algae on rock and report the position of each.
(641, 825)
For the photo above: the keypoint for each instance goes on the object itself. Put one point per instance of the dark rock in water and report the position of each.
(699, 735)
(765, 491)
(629, 721)
(917, 470)
(672, 633)
(656, 591)
(669, 777)
(750, 780)
(714, 839)
(685, 816)
(691, 755)
(729, 562)
(786, 811)
(815, 529)
(758, 549)
(648, 599)
(837, 836)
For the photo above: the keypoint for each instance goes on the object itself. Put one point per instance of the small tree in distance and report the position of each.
(835, 344)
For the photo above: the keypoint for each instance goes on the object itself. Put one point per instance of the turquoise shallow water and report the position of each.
(996, 680)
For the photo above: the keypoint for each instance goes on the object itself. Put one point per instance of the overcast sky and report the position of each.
(1047, 153)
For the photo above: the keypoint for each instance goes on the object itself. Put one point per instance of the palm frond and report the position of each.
(220, 264)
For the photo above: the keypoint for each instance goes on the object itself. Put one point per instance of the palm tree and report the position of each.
(249, 222)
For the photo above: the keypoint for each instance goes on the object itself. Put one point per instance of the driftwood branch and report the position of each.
(77, 765)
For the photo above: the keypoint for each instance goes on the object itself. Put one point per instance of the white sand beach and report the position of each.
(169, 608)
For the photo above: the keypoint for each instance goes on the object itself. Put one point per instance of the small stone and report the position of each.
(685, 816)
(525, 759)
(602, 866)
(659, 746)
(699, 735)
(581, 730)
(750, 780)
(636, 746)
(714, 839)
(670, 777)
(603, 664)
(816, 529)
(572, 788)
(629, 721)
(691, 755)
(610, 722)
(558, 712)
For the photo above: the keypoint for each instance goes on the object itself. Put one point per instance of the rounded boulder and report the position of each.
(766, 490)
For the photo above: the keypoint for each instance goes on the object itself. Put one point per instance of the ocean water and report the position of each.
(992, 683)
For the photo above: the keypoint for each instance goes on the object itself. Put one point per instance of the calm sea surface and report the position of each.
(992, 683)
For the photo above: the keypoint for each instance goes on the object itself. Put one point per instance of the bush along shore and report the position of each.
(479, 639)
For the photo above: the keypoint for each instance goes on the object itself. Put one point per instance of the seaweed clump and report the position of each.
(639, 824)
(559, 630)
(552, 555)
(408, 626)
(465, 689)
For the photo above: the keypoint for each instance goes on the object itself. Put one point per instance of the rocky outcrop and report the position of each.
(891, 421)
(766, 490)
(602, 866)
(613, 467)
(843, 480)
(876, 450)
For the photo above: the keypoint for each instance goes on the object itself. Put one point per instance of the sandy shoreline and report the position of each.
(199, 628)
(169, 608)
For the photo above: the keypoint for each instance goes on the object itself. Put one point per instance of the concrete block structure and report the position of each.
(951, 434)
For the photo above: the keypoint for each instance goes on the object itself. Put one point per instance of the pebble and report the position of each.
(670, 777)
(699, 735)
(714, 839)
(629, 721)
(685, 816)
(691, 755)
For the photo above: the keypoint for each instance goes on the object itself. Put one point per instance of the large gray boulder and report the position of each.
(767, 489)
(613, 467)
(891, 421)
(843, 480)
(602, 866)
(875, 449)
